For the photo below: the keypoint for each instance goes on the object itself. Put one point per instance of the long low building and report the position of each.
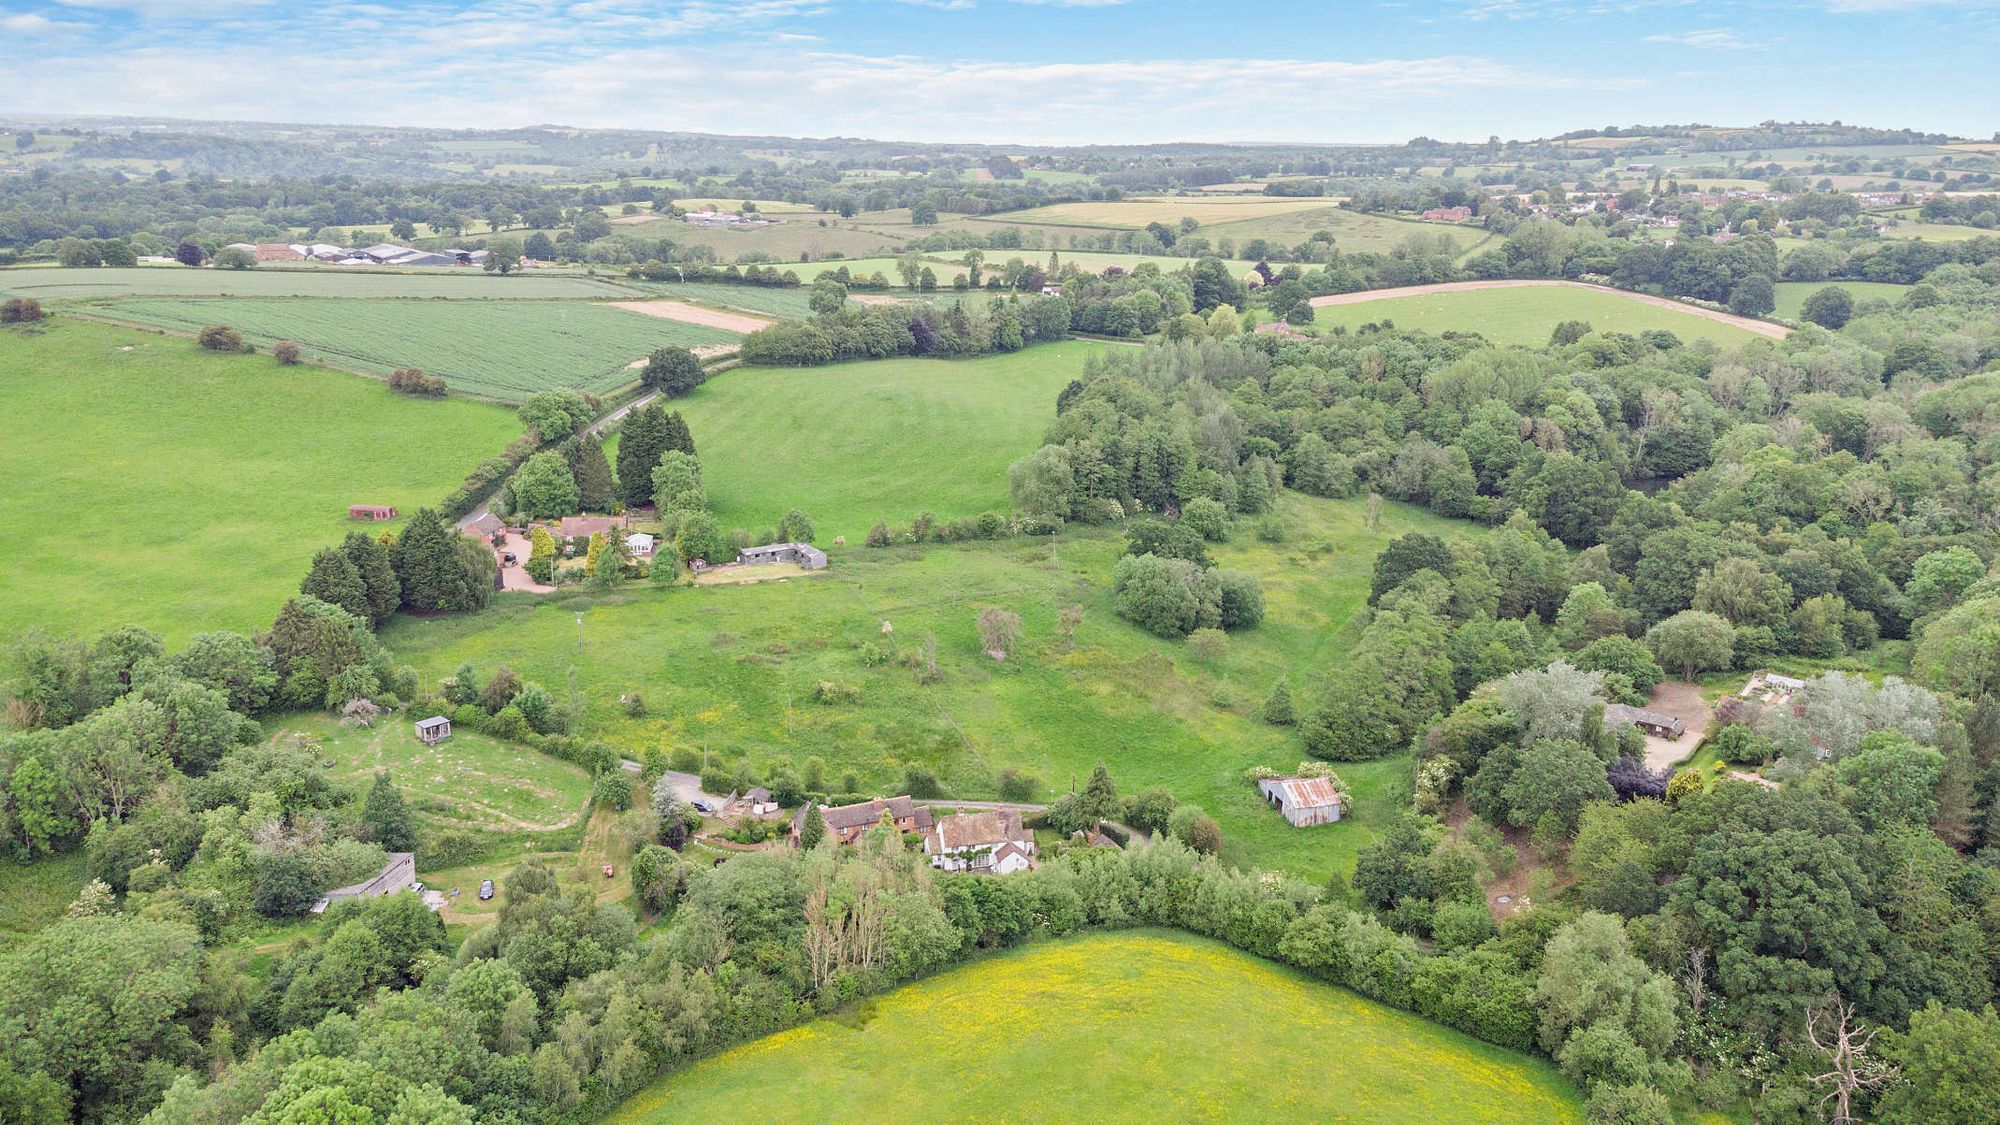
(399, 874)
(1657, 723)
(848, 823)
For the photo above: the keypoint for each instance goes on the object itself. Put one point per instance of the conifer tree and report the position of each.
(587, 464)
(640, 442)
(371, 557)
(679, 437)
(387, 817)
(334, 579)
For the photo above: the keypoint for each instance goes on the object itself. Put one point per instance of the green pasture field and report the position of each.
(1134, 213)
(885, 440)
(157, 484)
(468, 781)
(730, 670)
(300, 281)
(1935, 232)
(1144, 1025)
(1526, 315)
(1352, 230)
(784, 241)
(504, 350)
(1792, 294)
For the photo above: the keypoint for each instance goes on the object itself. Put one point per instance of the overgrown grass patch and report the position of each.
(729, 671)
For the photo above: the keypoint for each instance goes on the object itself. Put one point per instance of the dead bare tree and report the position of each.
(1833, 1032)
(1694, 979)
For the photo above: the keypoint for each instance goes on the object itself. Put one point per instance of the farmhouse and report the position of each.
(848, 823)
(1304, 801)
(1656, 723)
(371, 512)
(983, 843)
(399, 874)
(583, 527)
(433, 730)
(1447, 214)
(804, 554)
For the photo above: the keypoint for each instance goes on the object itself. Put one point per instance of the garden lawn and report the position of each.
(156, 484)
(505, 350)
(300, 281)
(1792, 294)
(731, 671)
(1136, 1026)
(1526, 315)
(854, 443)
(467, 781)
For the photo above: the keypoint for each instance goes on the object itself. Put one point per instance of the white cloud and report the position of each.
(1707, 39)
(34, 23)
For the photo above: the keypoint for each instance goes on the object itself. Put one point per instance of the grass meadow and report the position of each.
(504, 350)
(1135, 1026)
(1526, 315)
(303, 281)
(1137, 212)
(1792, 294)
(855, 443)
(730, 671)
(468, 781)
(157, 484)
(1352, 230)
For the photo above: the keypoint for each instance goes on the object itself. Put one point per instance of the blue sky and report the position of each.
(1028, 71)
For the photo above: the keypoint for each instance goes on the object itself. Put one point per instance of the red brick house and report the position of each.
(848, 823)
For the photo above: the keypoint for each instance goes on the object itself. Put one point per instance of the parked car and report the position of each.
(485, 889)
(701, 806)
(508, 559)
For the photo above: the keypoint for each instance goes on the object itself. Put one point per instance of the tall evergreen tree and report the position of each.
(387, 817)
(678, 435)
(334, 579)
(640, 442)
(371, 557)
(592, 472)
(427, 565)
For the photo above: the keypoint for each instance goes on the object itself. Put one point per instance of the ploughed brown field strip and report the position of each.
(694, 314)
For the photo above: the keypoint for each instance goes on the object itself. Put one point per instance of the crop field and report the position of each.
(1138, 1026)
(855, 443)
(302, 281)
(468, 781)
(731, 670)
(1526, 315)
(783, 241)
(1792, 294)
(496, 349)
(1137, 212)
(748, 298)
(157, 484)
(1352, 230)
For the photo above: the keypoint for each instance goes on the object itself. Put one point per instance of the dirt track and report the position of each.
(694, 314)
(1760, 327)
